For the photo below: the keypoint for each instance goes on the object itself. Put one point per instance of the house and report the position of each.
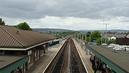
(113, 35)
(122, 41)
(109, 35)
(15, 42)
(120, 35)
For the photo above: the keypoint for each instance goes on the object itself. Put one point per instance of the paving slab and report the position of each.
(41, 65)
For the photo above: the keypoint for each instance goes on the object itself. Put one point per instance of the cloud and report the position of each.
(74, 8)
(68, 14)
(73, 23)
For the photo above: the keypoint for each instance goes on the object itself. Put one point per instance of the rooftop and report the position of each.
(119, 58)
(7, 60)
(11, 37)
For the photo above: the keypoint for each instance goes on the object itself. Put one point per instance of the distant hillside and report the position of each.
(113, 30)
(50, 30)
(66, 30)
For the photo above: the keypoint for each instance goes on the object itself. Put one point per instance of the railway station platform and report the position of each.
(41, 65)
(116, 61)
(84, 57)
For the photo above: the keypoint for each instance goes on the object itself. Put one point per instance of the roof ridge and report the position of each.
(12, 36)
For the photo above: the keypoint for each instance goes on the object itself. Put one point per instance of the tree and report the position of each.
(99, 41)
(88, 34)
(2, 22)
(23, 26)
(95, 35)
(111, 41)
(88, 38)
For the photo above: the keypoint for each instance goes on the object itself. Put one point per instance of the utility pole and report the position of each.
(106, 33)
(106, 30)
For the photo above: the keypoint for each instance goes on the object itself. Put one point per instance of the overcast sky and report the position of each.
(67, 14)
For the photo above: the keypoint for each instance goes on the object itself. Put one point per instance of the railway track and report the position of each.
(67, 60)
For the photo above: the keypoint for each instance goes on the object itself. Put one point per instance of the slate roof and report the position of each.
(7, 60)
(120, 58)
(11, 37)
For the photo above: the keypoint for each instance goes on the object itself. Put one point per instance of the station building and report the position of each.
(20, 49)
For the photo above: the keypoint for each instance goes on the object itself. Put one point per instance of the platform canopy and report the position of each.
(10, 63)
(11, 37)
(116, 60)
